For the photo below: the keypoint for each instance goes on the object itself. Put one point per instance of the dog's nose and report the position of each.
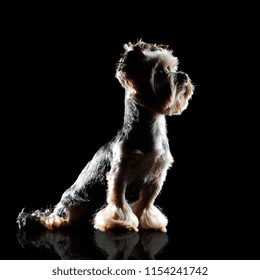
(181, 77)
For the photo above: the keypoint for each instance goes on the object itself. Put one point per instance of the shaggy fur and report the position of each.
(139, 155)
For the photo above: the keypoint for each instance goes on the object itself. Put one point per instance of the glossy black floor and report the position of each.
(64, 103)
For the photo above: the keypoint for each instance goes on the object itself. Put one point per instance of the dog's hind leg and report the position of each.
(74, 202)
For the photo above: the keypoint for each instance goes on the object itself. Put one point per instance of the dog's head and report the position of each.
(149, 74)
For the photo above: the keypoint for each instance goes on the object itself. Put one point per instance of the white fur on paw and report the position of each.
(53, 221)
(112, 217)
(150, 218)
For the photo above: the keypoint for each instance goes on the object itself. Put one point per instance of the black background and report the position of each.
(62, 102)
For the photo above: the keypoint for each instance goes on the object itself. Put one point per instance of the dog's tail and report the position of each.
(53, 218)
(31, 219)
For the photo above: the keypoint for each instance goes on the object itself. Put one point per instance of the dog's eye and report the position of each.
(160, 74)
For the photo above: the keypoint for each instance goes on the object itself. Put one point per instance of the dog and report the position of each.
(138, 156)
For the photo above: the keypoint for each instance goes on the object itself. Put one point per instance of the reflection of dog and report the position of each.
(139, 155)
(144, 245)
(76, 244)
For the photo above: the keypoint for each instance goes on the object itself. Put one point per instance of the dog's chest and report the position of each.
(144, 153)
(137, 164)
(145, 163)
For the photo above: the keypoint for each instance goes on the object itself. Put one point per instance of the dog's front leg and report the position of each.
(117, 213)
(150, 216)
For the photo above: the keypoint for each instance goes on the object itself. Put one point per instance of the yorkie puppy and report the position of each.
(138, 156)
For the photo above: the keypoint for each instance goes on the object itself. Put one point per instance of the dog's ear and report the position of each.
(128, 46)
(134, 64)
(133, 56)
(131, 65)
(140, 45)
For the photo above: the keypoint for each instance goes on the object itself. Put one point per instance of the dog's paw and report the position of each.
(113, 217)
(53, 221)
(150, 217)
